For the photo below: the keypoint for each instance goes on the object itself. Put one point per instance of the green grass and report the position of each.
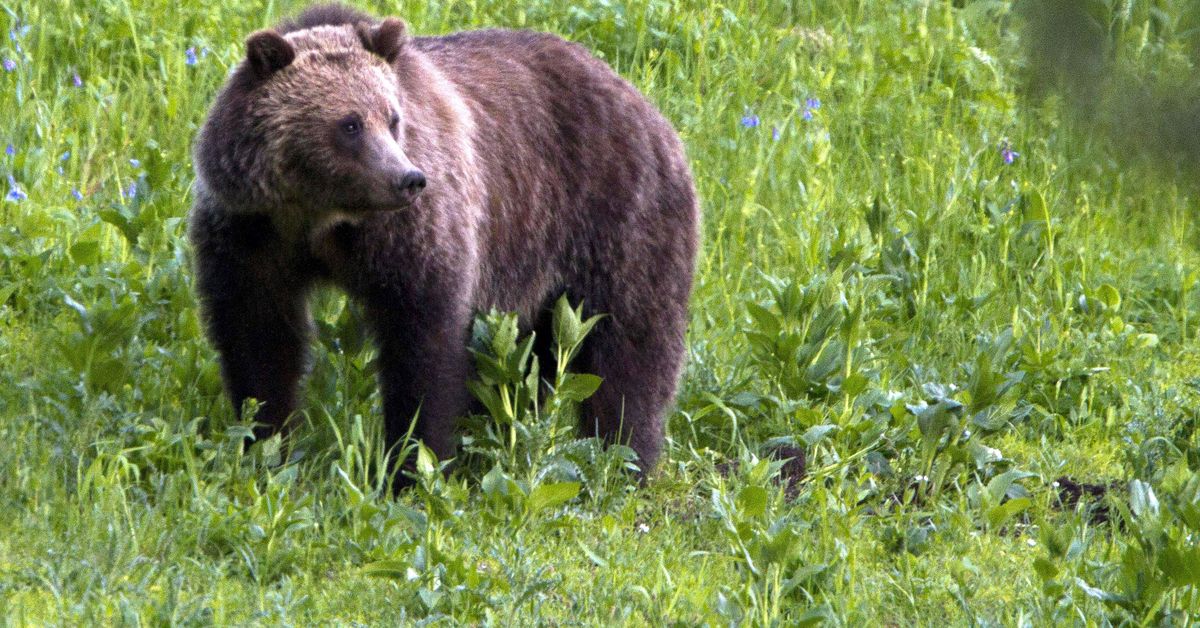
(945, 335)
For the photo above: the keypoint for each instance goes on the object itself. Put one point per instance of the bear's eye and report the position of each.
(351, 125)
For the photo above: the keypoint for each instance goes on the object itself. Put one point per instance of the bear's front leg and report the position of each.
(424, 366)
(254, 310)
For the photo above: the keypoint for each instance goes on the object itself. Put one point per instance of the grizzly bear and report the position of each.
(432, 178)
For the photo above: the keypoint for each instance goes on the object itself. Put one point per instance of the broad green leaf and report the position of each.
(551, 495)
(817, 433)
(854, 384)
(815, 616)
(494, 482)
(1142, 499)
(86, 252)
(426, 461)
(1097, 593)
(1036, 208)
(752, 501)
(566, 324)
(764, 319)
(999, 486)
(504, 338)
(578, 386)
(779, 548)
(7, 291)
(999, 515)
(1109, 296)
(1181, 564)
(983, 455)
(1045, 569)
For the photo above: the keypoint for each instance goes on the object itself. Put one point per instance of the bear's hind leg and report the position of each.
(639, 363)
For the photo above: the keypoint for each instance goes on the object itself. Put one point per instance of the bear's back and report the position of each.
(571, 157)
(516, 60)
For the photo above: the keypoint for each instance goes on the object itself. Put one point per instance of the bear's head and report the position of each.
(311, 123)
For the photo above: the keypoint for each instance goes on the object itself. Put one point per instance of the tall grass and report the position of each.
(955, 296)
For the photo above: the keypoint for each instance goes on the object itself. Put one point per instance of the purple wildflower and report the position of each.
(750, 120)
(9, 65)
(76, 194)
(76, 80)
(810, 106)
(135, 163)
(65, 156)
(131, 191)
(14, 193)
(10, 150)
(190, 55)
(1008, 154)
(775, 133)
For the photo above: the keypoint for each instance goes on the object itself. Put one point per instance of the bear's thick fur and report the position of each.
(432, 178)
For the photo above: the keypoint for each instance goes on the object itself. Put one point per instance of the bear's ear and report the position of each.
(385, 39)
(268, 53)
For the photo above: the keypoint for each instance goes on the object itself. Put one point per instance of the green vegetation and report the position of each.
(950, 295)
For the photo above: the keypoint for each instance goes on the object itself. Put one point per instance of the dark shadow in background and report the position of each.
(1079, 49)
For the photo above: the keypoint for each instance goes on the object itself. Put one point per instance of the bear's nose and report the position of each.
(411, 182)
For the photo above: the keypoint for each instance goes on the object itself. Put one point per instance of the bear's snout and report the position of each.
(408, 185)
(411, 181)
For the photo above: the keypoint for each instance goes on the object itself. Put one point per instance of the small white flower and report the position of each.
(921, 478)
(643, 528)
(1031, 542)
(1054, 484)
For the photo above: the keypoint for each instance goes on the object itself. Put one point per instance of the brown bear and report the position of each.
(431, 178)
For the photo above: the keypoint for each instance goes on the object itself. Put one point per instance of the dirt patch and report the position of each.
(1072, 492)
(793, 471)
(791, 474)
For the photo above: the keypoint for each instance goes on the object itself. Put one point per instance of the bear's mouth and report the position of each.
(391, 197)
(377, 207)
(376, 203)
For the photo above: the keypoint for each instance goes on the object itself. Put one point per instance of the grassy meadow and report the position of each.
(968, 297)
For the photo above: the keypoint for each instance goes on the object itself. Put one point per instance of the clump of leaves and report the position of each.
(765, 540)
(807, 338)
(1151, 573)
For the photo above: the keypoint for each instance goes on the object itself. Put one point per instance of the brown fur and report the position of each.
(547, 173)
